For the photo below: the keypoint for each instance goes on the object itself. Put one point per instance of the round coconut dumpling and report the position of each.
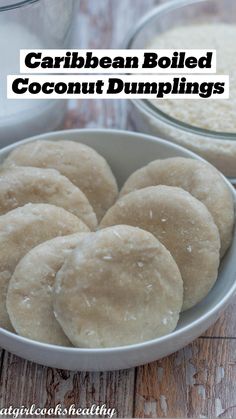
(24, 228)
(120, 286)
(200, 179)
(183, 225)
(30, 290)
(81, 164)
(21, 185)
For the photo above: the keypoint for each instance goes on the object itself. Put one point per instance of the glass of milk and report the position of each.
(30, 24)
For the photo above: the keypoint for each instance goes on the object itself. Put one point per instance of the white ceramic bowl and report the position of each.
(126, 151)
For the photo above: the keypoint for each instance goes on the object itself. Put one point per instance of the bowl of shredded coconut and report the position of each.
(207, 127)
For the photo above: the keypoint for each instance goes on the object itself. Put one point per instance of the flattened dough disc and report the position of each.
(119, 287)
(185, 227)
(24, 228)
(23, 185)
(200, 179)
(81, 164)
(30, 290)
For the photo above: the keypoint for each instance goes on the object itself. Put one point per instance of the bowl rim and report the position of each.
(146, 104)
(136, 346)
(16, 5)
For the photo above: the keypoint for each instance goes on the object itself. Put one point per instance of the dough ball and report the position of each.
(24, 228)
(200, 179)
(29, 297)
(21, 185)
(119, 287)
(183, 225)
(81, 164)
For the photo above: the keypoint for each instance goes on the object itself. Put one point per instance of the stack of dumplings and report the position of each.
(84, 265)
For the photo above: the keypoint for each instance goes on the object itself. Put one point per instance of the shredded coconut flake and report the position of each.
(89, 332)
(129, 316)
(107, 257)
(189, 248)
(117, 234)
(140, 264)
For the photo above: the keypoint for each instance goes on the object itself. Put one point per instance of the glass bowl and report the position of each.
(219, 148)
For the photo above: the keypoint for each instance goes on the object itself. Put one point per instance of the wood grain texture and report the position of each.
(225, 327)
(198, 381)
(24, 383)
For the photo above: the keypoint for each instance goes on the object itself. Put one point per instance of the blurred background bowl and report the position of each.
(219, 148)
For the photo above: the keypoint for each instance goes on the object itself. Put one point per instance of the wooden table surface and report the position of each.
(199, 380)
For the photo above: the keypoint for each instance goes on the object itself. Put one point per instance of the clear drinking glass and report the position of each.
(30, 24)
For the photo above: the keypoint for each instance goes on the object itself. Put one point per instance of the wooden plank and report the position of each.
(103, 24)
(225, 327)
(198, 381)
(93, 114)
(25, 383)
